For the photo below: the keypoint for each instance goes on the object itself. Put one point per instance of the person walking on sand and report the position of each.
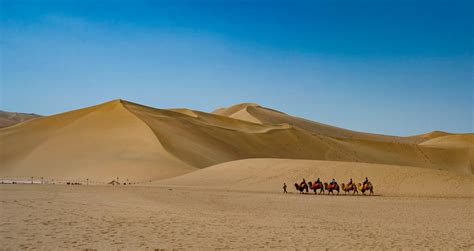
(284, 188)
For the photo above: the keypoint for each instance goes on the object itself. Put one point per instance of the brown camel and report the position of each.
(302, 187)
(366, 187)
(316, 186)
(352, 187)
(331, 188)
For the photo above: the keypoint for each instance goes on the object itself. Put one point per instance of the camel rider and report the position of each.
(303, 182)
(350, 182)
(318, 181)
(366, 181)
(333, 181)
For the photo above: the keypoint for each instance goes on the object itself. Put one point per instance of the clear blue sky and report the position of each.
(393, 67)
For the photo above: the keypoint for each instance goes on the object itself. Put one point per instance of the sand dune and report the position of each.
(268, 175)
(464, 141)
(141, 143)
(254, 112)
(239, 111)
(432, 135)
(12, 118)
(100, 143)
(366, 147)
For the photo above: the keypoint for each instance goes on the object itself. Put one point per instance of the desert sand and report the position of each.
(267, 175)
(214, 180)
(142, 144)
(104, 217)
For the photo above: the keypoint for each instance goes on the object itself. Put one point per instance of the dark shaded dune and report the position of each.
(12, 118)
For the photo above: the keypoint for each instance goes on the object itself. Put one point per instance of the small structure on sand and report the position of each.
(114, 182)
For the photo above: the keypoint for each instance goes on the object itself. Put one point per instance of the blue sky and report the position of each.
(392, 67)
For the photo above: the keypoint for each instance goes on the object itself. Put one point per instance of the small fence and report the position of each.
(34, 180)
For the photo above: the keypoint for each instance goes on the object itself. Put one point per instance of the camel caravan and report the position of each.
(320, 188)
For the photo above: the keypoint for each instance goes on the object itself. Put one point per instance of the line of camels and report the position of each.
(330, 187)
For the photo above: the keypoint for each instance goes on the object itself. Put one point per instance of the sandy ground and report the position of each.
(102, 217)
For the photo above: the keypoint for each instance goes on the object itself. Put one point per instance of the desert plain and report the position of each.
(197, 180)
(101, 217)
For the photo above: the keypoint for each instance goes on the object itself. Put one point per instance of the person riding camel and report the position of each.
(333, 181)
(350, 182)
(303, 182)
(318, 181)
(366, 181)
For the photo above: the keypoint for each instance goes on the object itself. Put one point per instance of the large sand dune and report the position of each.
(140, 143)
(99, 143)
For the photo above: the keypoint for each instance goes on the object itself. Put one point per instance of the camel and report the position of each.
(367, 187)
(352, 187)
(316, 186)
(301, 188)
(331, 187)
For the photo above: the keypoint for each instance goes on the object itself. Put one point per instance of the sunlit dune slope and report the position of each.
(451, 141)
(269, 175)
(128, 140)
(99, 142)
